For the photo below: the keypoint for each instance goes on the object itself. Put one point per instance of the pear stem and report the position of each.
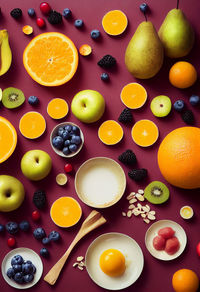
(177, 6)
(145, 16)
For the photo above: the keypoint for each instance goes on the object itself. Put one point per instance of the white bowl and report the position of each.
(54, 133)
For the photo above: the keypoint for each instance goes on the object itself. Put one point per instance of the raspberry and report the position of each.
(107, 61)
(188, 117)
(126, 116)
(138, 174)
(128, 157)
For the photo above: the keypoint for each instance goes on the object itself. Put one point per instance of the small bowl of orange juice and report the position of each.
(65, 212)
(186, 212)
(67, 139)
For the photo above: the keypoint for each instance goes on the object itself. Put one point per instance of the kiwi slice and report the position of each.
(156, 192)
(12, 97)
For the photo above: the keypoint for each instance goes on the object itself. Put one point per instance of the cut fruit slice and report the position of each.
(65, 212)
(85, 50)
(110, 132)
(133, 95)
(156, 193)
(27, 29)
(32, 125)
(12, 97)
(61, 179)
(57, 108)
(161, 106)
(8, 139)
(114, 22)
(145, 133)
(57, 61)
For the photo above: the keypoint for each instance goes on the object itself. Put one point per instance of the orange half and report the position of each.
(51, 59)
(145, 133)
(8, 139)
(133, 95)
(57, 108)
(32, 125)
(65, 212)
(114, 22)
(110, 132)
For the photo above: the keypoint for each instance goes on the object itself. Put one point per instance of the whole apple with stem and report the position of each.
(36, 164)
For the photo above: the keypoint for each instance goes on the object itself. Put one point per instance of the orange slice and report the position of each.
(110, 132)
(32, 125)
(27, 29)
(8, 139)
(51, 59)
(133, 95)
(57, 108)
(65, 212)
(114, 22)
(85, 50)
(145, 133)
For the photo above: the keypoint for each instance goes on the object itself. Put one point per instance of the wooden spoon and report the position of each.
(94, 220)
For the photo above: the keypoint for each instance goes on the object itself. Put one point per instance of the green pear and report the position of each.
(176, 34)
(144, 54)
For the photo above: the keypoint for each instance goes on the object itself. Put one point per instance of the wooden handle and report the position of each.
(94, 220)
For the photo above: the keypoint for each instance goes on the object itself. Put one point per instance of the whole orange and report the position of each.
(179, 157)
(182, 74)
(185, 280)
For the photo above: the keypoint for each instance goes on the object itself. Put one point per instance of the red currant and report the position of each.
(68, 167)
(11, 241)
(36, 215)
(40, 22)
(45, 7)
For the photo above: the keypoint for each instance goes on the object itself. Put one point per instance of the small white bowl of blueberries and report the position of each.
(67, 139)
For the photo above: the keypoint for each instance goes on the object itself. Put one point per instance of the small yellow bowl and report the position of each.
(186, 212)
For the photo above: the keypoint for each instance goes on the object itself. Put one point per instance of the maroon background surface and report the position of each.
(156, 275)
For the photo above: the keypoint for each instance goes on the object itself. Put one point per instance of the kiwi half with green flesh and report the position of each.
(156, 192)
(12, 97)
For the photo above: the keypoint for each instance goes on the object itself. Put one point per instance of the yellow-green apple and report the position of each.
(88, 106)
(36, 164)
(11, 193)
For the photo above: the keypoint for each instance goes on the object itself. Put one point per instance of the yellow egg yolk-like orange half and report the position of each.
(112, 262)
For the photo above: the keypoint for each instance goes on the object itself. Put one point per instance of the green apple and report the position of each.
(88, 106)
(36, 164)
(11, 193)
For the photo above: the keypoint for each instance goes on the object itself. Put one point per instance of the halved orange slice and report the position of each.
(133, 95)
(8, 139)
(57, 108)
(114, 22)
(110, 132)
(32, 125)
(145, 133)
(51, 59)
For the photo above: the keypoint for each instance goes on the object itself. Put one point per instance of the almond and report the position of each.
(132, 206)
(80, 258)
(131, 195)
(132, 201)
(129, 214)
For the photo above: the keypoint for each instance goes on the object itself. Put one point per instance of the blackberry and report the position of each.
(126, 116)
(55, 17)
(39, 199)
(107, 61)
(188, 117)
(128, 157)
(138, 174)
(16, 13)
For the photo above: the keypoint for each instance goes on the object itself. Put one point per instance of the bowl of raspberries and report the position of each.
(67, 139)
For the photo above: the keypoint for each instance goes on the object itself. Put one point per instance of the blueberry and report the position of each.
(76, 140)
(78, 23)
(105, 76)
(31, 12)
(179, 105)
(17, 260)
(75, 130)
(28, 268)
(44, 252)
(58, 142)
(39, 233)
(194, 100)
(144, 7)
(60, 131)
(28, 278)
(24, 225)
(2, 228)
(67, 143)
(17, 268)
(95, 34)
(45, 240)
(12, 227)
(65, 135)
(54, 235)
(18, 278)
(68, 128)
(73, 147)
(33, 100)
(67, 13)
(10, 273)
(66, 150)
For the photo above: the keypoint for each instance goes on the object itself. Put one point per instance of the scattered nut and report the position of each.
(136, 212)
(143, 215)
(80, 268)
(152, 212)
(75, 264)
(129, 214)
(140, 192)
(80, 258)
(132, 206)
(148, 207)
(140, 197)
(82, 264)
(124, 214)
(146, 221)
(151, 217)
(130, 196)
(132, 201)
